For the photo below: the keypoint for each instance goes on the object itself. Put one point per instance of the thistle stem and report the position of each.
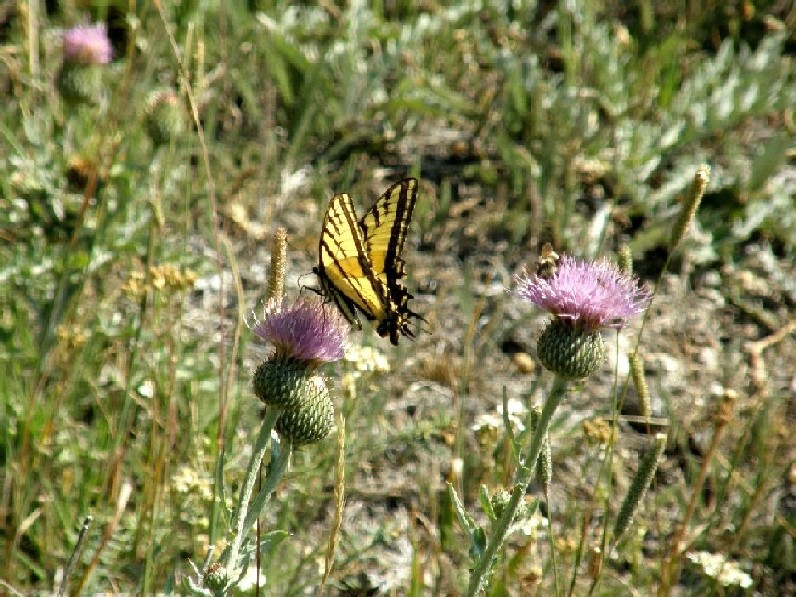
(258, 452)
(524, 474)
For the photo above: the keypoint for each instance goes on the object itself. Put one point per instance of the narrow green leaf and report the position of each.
(467, 522)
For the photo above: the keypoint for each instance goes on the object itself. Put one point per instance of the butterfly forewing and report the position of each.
(385, 226)
(344, 268)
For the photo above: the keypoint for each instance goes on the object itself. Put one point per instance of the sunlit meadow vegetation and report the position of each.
(138, 199)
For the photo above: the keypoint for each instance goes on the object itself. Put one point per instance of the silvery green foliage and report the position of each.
(492, 506)
(640, 118)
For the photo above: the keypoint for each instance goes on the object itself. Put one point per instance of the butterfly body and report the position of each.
(360, 263)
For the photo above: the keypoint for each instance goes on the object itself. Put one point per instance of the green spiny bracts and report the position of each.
(569, 352)
(283, 383)
(216, 578)
(164, 116)
(81, 83)
(312, 419)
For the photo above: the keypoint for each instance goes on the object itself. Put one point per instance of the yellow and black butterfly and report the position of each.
(359, 262)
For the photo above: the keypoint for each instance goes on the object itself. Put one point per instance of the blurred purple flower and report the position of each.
(87, 45)
(307, 330)
(590, 295)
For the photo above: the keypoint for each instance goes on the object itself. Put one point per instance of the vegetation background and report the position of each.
(132, 249)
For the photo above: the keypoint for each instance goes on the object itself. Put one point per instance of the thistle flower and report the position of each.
(305, 335)
(308, 331)
(87, 45)
(583, 297)
(589, 295)
(86, 49)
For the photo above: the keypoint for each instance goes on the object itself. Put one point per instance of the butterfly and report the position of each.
(359, 261)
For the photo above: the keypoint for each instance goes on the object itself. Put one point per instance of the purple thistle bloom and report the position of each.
(590, 295)
(87, 45)
(307, 330)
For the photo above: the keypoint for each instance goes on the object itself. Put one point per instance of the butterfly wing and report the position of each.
(344, 268)
(384, 227)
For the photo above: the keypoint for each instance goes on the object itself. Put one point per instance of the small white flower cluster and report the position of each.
(366, 358)
(727, 572)
(532, 524)
(362, 359)
(188, 480)
(251, 579)
(516, 416)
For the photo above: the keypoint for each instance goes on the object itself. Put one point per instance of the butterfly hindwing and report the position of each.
(385, 226)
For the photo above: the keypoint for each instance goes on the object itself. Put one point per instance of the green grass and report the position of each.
(578, 123)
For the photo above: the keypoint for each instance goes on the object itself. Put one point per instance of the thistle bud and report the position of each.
(164, 116)
(312, 419)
